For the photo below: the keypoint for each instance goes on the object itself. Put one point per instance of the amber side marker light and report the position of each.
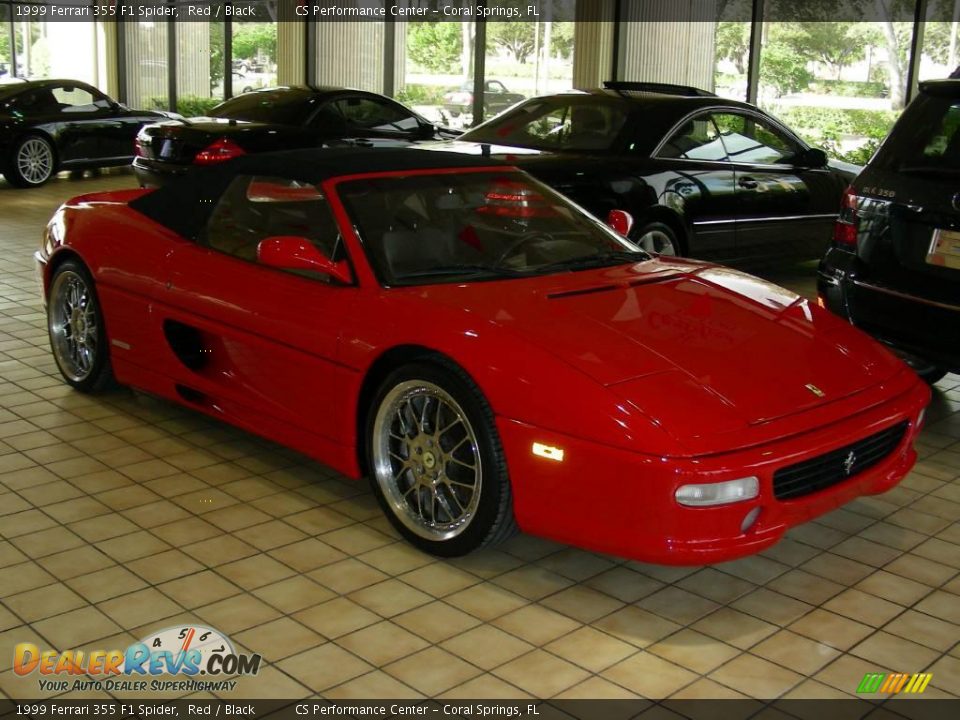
(548, 451)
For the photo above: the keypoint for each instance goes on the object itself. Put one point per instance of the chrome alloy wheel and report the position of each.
(74, 334)
(427, 460)
(657, 241)
(35, 160)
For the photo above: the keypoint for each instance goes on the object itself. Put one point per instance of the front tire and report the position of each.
(658, 238)
(33, 162)
(78, 336)
(436, 463)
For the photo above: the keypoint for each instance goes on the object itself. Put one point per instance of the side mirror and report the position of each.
(620, 221)
(811, 158)
(289, 252)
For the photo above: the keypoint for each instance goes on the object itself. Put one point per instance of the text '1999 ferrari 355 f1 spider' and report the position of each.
(489, 354)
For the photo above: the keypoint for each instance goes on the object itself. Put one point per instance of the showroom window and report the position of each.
(201, 68)
(940, 52)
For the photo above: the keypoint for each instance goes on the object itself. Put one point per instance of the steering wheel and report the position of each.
(524, 239)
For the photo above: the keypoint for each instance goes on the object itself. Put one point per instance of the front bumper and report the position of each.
(615, 501)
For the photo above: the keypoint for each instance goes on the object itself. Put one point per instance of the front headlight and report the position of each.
(721, 493)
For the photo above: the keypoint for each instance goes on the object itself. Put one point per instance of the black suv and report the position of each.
(894, 265)
(701, 175)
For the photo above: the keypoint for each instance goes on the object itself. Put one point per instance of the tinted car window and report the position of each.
(76, 99)
(697, 139)
(563, 123)
(927, 139)
(443, 228)
(374, 115)
(32, 103)
(254, 208)
(750, 140)
(270, 106)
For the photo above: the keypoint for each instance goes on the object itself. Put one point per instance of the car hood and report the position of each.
(701, 345)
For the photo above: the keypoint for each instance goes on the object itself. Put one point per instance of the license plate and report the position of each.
(945, 249)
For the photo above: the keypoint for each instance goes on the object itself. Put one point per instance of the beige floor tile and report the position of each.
(486, 647)
(47, 542)
(890, 651)
(255, 571)
(715, 585)
(637, 627)
(772, 606)
(755, 677)
(735, 627)
(164, 566)
(125, 548)
(272, 534)
(10, 555)
(624, 584)
(186, 531)
(24, 576)
(678, 605)
(237, 613)
(104, 527)
(707, 689)
(324, 667)
(578, 565)
(307, 555)
(487, 563)
(893, 587)
(202, 588)
(941, 605)
(815, 690)
(43, 602)
(946, 674)
(389, 598)
(336, 617)
(694, 651)
(142, 607)
(805, 587)
(649, 676)
(356, 539)
(279, 639)
(484, 687)
(237, 518)
(591, 649)
(347, 576)
(486, 602)
(924, 629)
(398, 558)
(432, 671)
(831, 629)
(582, 603)
(841, 570)
(436, 621)
(154, 514)
(105, 584)
(532, 582)
(76, 628)
(219, 550)
(374, 685)
(596, 688)
(269, 683)
(382, 643)
(844, 673)
(864, 608)
(15, 522)
(439, 579)
(293, 594)
(795, 652)
(72, 563)
(921, 569)
(541, 674)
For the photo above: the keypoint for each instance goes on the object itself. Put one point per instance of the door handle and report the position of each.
(747, 183)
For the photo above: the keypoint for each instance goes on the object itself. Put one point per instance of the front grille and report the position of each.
(837, 465)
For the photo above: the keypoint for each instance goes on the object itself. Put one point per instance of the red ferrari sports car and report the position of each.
(489, 354)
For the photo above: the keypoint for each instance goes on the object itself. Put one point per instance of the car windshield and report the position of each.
(280, 107)
(475, 226)
(567, 122)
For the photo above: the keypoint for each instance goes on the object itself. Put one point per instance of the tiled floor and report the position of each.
(121, 515)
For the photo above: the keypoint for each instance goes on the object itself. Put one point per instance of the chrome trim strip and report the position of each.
(906, 296)
(773, 218)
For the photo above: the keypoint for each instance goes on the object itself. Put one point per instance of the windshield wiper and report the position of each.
(619, 257)
(465, 269)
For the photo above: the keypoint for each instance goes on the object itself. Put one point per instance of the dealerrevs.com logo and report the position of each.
(188, 652)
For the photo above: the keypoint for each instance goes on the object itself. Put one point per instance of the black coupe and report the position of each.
(52, 125)
(279, 118)
(701, 175)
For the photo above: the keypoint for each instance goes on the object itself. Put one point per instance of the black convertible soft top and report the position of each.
(185, 204)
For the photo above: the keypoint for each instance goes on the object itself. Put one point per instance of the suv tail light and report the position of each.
(218, 151)
(138, 149)
(847, 227)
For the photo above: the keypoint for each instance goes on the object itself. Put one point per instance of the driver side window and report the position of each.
(750, 140)
(254, 208)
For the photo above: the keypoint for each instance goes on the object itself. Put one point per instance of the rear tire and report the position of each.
(658, 238)
(78, 336)
(436, 463)
(32, 163)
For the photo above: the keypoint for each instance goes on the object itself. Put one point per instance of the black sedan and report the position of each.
(700, 175)
(52, 125)
(280, 118)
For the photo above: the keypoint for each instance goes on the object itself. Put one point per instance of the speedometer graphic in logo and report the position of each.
(181, 640)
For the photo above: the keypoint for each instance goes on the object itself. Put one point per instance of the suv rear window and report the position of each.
(927, 138)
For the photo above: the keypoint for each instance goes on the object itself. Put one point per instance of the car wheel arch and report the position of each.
(60, 256)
